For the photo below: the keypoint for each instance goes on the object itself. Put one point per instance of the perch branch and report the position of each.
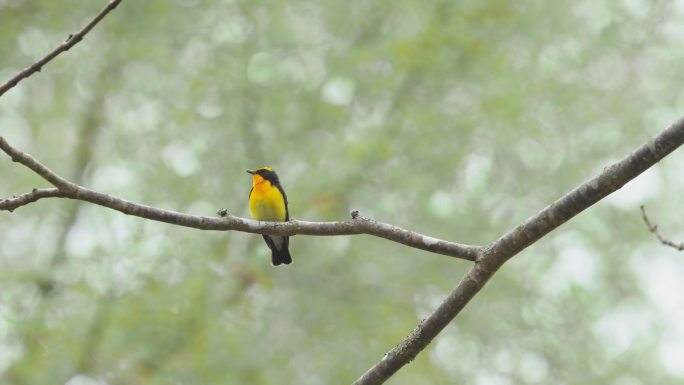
(30, 197)
(654, 229)
(357, 225)
(71, 41)
(498, 252)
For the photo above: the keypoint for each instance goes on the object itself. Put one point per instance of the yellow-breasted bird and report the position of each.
(268, 202)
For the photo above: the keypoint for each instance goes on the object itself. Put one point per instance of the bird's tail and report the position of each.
(281, 256)
(279, 246)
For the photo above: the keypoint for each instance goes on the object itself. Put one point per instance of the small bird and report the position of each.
(268, 202)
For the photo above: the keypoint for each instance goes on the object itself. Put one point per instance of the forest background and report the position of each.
(455, 119)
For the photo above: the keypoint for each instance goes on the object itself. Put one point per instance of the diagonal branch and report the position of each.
(357, 225)
(654, 229)
(497, 253)
(71, 41)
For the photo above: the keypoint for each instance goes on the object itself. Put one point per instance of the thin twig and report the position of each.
(30, 197)
(654, 229)
(71, 41)
(357, 225)
(497, 253)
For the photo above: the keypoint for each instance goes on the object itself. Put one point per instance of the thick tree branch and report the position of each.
(357, 225)
(497, 253)
(71, 41)
(654, 229)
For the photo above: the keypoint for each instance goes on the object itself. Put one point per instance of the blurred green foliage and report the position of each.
(455, 119)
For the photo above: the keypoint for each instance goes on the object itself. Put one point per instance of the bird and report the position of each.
(268, 202)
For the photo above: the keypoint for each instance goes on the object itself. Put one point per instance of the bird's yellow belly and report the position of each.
(267, 205)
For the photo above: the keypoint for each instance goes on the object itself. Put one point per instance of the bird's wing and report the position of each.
(287, 210)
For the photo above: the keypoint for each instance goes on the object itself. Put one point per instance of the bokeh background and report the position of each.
(458, 119)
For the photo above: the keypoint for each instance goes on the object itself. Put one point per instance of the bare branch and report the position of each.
(497, 253)
(357, 225)
(654, 229)
(30, 197)
(71, 41)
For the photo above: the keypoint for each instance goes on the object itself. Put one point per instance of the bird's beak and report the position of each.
(251, 172)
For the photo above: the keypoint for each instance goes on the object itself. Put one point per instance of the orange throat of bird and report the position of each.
(259, 183)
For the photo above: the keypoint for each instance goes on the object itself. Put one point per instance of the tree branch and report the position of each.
(71, 41)
(357, 225)
(498, 252)
(30, 197)
(654, 229)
